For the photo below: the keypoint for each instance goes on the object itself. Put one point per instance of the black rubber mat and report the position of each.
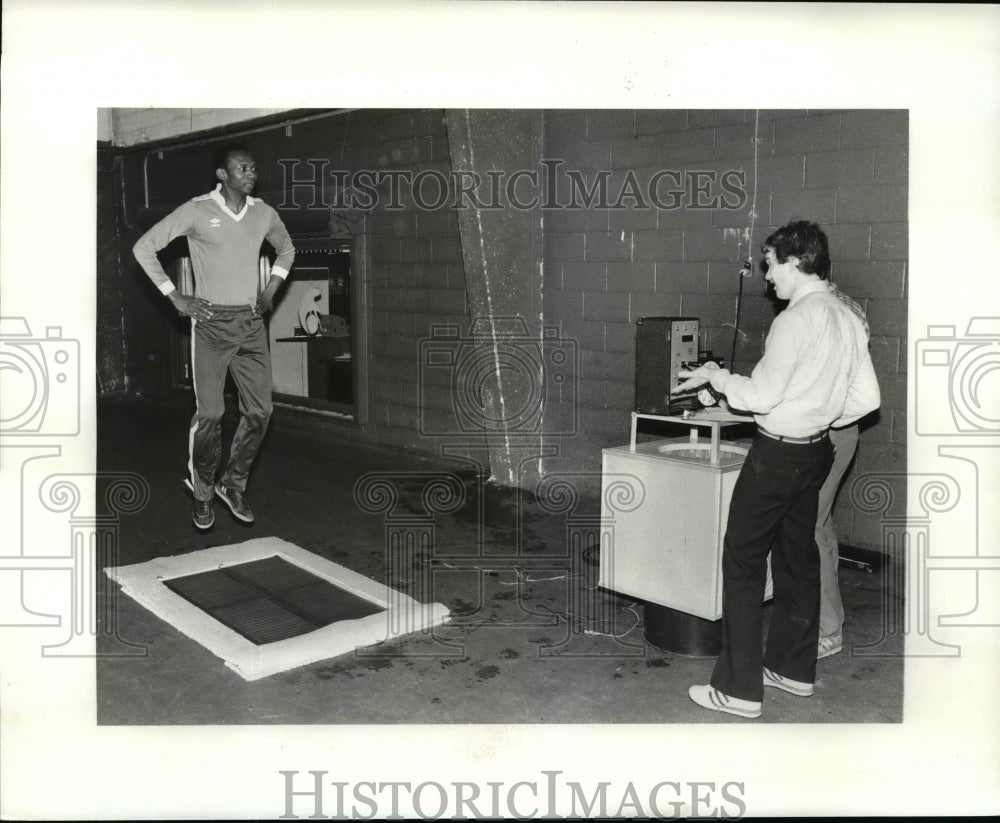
(271, 599)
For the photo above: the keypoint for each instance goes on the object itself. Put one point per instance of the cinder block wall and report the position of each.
(605, 267)
(129, 127)
(602, 267)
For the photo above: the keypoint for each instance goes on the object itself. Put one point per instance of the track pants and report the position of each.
(233, 341)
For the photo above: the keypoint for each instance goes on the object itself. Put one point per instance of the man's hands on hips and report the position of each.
(191, 306)
(265, 300)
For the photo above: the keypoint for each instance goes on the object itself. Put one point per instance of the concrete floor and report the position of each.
(531, 639)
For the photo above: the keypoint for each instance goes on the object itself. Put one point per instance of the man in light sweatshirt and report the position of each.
(225, 230)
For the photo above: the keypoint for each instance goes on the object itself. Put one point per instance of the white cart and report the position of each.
(664, 505)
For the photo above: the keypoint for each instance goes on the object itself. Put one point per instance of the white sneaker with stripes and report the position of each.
(708, 697)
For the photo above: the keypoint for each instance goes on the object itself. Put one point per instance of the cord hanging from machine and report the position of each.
(747, 268)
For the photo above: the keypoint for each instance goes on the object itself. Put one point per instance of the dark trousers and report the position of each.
(233, 341)
(773, 509)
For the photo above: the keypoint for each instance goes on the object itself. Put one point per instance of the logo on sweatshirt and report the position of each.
(215, 222)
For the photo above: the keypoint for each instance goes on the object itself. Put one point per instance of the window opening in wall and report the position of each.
(312, 330)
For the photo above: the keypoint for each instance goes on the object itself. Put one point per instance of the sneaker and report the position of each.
(708, 697)
(786, 684)
(827, 646)
(236, 501)
(203, 516)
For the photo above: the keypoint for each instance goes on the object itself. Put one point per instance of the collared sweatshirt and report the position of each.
(225, 247)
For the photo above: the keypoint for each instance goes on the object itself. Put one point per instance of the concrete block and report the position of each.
(397, 275)
(885, 354)
(723, 277)
(817, 205)
(379, 321)
(400, 323)
(661, 304)
(448, 301)
(427, 121)
(733, 218)
(605, 394)
(608, 246)
(563, 305)
(890, 241)
(605, 126)
(633, 219)
(446, 250)
(612, 306)
(785, 171)
(395, 347)
(703, 118)
(867, 532)
(893, 390)
(620, 337)
(848, 167)
(430, 276)
(570, 220)
(580, 158)
(658, 121)
(682, 218)
(386, 393)
(436, 147)
(587, 334)
(714, 244)
(888, 317)
(603, 365)
(892, 165)
(682, 147)
(848, 241)
(865, 279)
(898, 427)
(395, 224)
(564, 248)
(875, 128)
(736, 140)
(658, 246)
(437, 223)
(712, 310)
(562, 131)
(631, 277)
(585, 276)
(874, 204)
(757, 314)
(807, 134)
(880, 458)
(635, 151)
(680, 277)
(456, 276)
(414, 250)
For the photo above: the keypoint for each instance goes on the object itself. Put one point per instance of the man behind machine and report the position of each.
(225, 230)
(815, 372)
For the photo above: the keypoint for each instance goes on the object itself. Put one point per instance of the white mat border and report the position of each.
(402, 615)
